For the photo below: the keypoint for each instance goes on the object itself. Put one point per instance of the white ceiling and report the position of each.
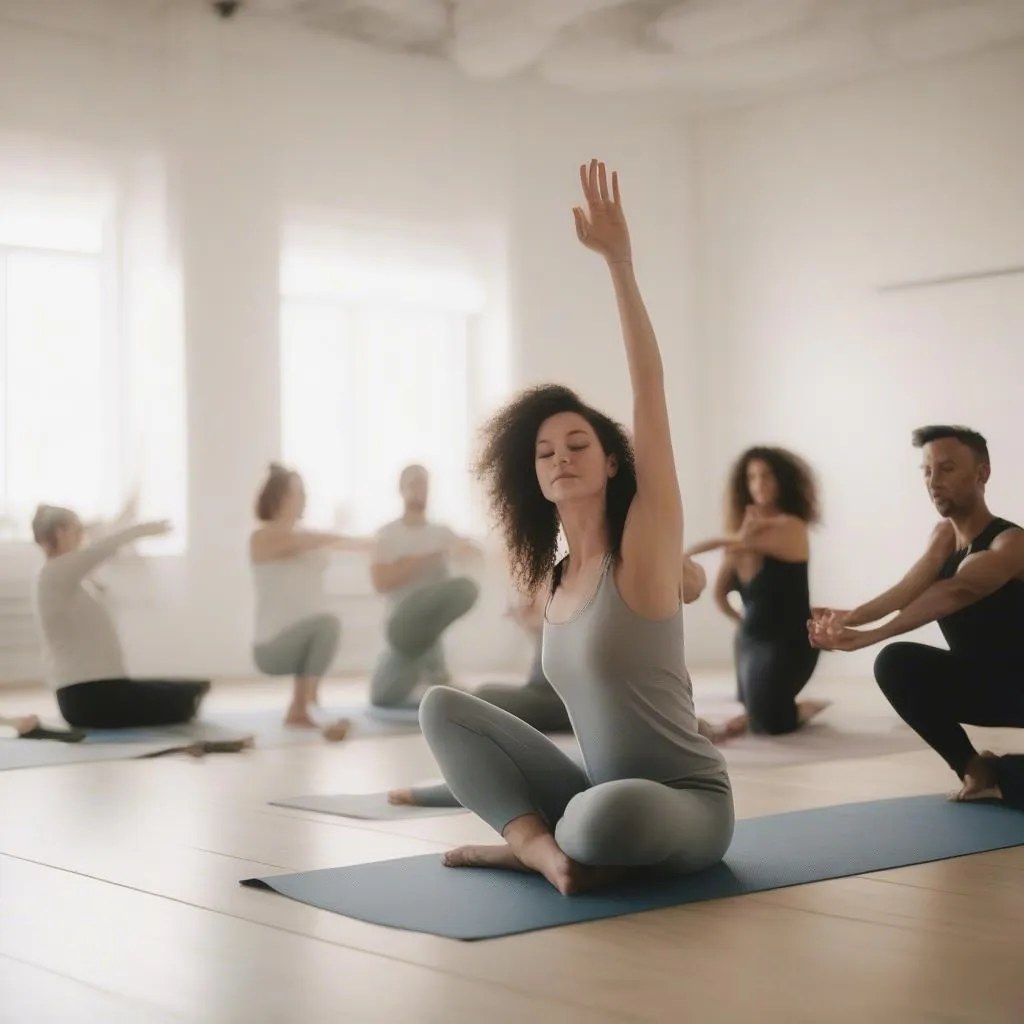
(706, 52)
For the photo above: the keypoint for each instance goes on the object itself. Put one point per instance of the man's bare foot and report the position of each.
(808, 709)
(401, 798)
(336, 731)
(980, 779)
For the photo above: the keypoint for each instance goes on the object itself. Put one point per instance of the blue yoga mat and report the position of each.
(420, 894)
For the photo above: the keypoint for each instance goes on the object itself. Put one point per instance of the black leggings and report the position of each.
(770, 674)
(131, 703)
(936, 692)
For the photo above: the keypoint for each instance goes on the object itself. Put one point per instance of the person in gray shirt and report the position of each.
(652, 792)
(410, 567)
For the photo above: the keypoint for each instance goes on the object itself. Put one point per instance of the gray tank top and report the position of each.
(623, 679)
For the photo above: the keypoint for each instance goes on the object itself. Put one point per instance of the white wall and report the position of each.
(252, 122)
(807, 208)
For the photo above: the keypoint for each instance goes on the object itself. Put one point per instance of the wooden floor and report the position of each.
(119, 902)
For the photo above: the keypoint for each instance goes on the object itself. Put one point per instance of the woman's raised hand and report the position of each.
(602, 225)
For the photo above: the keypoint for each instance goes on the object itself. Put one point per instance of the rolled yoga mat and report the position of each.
(373, 806)
(420, 894)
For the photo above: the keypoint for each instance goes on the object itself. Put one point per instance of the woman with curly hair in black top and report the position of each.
(771, 503)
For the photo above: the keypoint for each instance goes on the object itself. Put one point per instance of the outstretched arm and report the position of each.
(778, 536)
(923, 573)
(272, 545)
(72, 568)
(654, 528)
(979, 575)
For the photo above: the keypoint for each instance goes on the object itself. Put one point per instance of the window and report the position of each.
(92, 401)
(369, 387)
(55, 383)
(378, 370)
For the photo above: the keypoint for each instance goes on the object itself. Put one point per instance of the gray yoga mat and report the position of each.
(373, 806)
(16, 753)
(267, 726)
(420, 894)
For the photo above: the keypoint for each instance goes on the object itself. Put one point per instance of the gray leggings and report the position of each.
(501, 768)
(413, 634)
(305, 649)
(536, 703)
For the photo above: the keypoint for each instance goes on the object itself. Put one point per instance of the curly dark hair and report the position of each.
(798, 489)
(507, 467)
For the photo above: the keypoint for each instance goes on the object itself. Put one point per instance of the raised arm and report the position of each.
(654, 528)
(71, 568)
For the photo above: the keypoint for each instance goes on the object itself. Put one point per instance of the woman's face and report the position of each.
(762, 484)
(68, 536)
(571, 464)
(293, 506)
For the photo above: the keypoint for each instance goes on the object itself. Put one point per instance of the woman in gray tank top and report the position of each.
(652, 792)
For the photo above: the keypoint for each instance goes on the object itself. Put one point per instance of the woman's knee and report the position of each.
(600, 825)
(441, 707)
(328, 627)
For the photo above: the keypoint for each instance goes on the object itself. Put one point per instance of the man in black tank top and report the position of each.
(970, 581)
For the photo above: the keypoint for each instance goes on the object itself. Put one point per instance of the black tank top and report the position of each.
(991, 629)
(776, 602)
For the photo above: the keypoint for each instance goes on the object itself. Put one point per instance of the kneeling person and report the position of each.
(410, 567)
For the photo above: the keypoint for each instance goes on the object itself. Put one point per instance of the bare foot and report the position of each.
(336, 731)
(298, 718)
(401, 797)
(980, 779)
(734, 727)
(808, 709)
(564, 874)
(478, 856)
(25, 723)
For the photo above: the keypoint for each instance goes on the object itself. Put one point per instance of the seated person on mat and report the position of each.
(772, 501)
(410, 567)
(295, 635)
(652, 791)
(81, 649)
(536, 702)
(970, 580)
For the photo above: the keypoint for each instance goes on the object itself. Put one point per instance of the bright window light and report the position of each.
(92, 390)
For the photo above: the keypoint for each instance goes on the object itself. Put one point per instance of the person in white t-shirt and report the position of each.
(410, 566)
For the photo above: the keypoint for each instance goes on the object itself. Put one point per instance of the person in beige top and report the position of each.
(295, 634)
(82, 653)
